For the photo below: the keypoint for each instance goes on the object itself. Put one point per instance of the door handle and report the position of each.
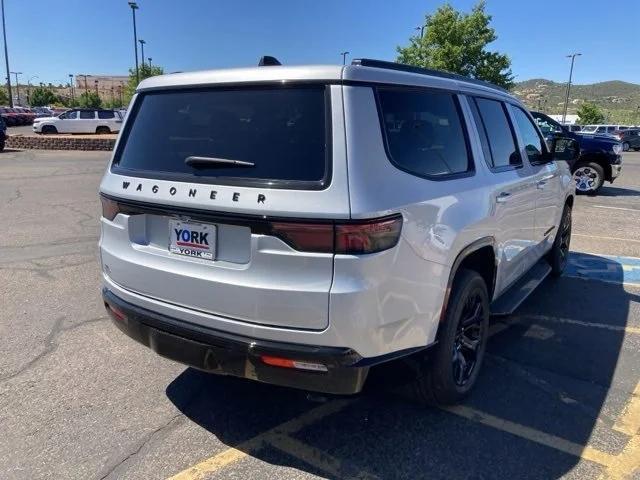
(502, 197)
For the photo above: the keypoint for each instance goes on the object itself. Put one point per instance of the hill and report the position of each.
(619, 101)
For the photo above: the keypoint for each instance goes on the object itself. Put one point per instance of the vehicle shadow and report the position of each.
(557, 369)
(608, 191)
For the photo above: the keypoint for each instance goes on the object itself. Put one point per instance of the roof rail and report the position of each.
(368, 62)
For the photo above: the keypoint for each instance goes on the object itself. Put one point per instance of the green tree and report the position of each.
(4, 98)
(457, 42)
(89, 99)
(589, 114)
(42, 96)
(145, 72)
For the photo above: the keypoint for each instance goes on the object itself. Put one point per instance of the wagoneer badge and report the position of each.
(193, 192)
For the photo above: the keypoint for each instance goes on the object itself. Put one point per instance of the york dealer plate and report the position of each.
(192, 239)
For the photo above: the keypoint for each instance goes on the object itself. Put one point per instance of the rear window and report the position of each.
(424, 132)
(278, 134)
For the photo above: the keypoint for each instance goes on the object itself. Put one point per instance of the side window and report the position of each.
(106, 114)
(87, 114)
(424, 133)
(496, 127)
(532, 142)
(73, 114)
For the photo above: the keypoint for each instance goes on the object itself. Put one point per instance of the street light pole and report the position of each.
(134, 7)
(73, 99)
(344, 57)
(29, 89)
(149, 62)
(142, 42)
(421, 31)
(6, 56)
(86, 89)
(17, 85)
(95, 82)
(566, 100)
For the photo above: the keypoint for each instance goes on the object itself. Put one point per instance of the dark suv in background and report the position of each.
(600, 155)
(630, 138)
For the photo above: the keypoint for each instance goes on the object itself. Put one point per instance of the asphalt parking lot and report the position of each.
(558, 397)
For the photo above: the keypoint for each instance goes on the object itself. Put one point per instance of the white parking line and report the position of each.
(606, 238)
(618, 208)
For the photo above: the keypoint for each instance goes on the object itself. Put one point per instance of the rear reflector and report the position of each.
(115, 312)
(297, 364)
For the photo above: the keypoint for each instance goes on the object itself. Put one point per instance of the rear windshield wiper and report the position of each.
(206, 162)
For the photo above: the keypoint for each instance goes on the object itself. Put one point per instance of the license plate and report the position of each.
(196, 240)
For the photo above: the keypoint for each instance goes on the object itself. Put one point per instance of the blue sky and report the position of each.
(52, 40)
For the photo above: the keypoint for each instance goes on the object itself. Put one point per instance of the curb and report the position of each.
(49, 142)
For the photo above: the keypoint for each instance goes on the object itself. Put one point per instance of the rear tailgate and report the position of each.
(198, 236)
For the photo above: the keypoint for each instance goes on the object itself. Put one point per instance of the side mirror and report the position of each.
(567, 149)
(562, 148)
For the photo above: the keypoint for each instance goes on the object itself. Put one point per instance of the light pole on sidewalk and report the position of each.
(566, 100)
(6, 56)
(134, 7)
(17, 85)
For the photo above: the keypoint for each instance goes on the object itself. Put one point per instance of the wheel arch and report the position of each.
(480, 256)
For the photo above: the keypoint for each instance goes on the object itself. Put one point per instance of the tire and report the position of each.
(48, 129)
(559, 253)
(102, 130)
(589, 177)
(2, 143)
(448, 373)
(625, 146)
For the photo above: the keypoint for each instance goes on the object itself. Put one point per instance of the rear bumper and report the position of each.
(229, 354)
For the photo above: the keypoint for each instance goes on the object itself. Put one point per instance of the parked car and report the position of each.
(10, 118)
(630, 139)
(26, 114)
(574, 128)
(602, 129)
(3, 134)
(80, 120)
(600, 155)
(43, 112)
(234, 240)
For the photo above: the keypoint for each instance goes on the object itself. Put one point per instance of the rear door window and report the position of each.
(278, 135)
(87, 114)
(106, 114)
(491, 120)
(533, 144)
(424, 133)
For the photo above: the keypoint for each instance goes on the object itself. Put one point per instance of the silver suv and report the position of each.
(299, 225)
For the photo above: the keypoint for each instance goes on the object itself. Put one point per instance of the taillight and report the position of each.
(354, 238)
(110, 208)
(368, 237)
(307, 237)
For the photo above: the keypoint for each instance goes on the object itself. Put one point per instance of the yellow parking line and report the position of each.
(577, 450)
(317, 458)
(627, 463)
(234, 454)
(570, 321)
(629, 421)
